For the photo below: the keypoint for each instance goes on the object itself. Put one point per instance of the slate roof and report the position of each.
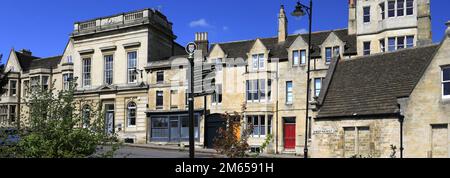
(25, 60)
(28, 62)
(371, 85)
(279, 50)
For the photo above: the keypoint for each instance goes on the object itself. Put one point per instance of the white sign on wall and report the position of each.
(324, 130)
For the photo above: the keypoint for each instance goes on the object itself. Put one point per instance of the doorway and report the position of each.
(289, 133)
(109, 118)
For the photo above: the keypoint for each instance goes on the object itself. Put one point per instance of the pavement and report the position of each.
(172, 151)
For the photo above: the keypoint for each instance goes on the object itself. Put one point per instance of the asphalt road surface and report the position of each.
(135, 152)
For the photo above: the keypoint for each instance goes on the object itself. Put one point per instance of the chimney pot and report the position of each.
(26, 52)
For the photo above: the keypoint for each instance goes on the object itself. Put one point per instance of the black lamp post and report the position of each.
(190, 49)
(299, 11)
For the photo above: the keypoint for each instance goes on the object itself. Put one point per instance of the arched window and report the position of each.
(131, 116)
(86, 116)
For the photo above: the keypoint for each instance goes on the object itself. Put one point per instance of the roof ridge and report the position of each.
(291, 35)
(44, 58)
(392, 52)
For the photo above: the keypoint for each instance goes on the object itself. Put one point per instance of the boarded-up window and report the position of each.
(349, 141)
(439, 141)
(357, 141)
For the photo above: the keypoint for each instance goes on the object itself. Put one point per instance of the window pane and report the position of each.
(262, 89)
(366, 48)
(447, 89)
(132, 62)
(318, 86)
(289, 96)
(296, 57)
(400, 42)
(410, 41)
(400, 7)
(87, 72)
(366, 14)
(255, 61)
(336, 52)
(109, 69)
(160, 77)
(249, 88)
(391, 8)
(328, 55)
(391, 42)
(261, 61)
(409, 7)
(303, 56)
(446, 74)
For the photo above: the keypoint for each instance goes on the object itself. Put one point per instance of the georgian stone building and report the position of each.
(131, 65)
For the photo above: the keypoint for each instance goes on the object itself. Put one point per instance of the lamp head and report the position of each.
(299, 11)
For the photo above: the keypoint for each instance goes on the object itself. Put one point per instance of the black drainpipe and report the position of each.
(401, 119)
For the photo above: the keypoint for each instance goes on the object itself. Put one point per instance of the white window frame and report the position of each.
(86, 82)
(129, 69)
(129, 108)
(111, 69)
(11, 89)
(409, 7)
(291, 91)
(258, 61)
(444, 82)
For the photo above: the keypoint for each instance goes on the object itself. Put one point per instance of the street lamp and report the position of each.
(299, 11)
(190, 49)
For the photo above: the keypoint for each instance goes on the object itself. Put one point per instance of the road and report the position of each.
(136, 152)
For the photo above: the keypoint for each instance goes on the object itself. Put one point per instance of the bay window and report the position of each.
(256, 90)
(259, 125)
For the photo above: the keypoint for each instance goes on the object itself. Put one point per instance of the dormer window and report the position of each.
(298, 57)
(446, 82)
(69, 59)
(258, 61)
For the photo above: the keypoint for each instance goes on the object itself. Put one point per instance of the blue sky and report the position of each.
(43, 26)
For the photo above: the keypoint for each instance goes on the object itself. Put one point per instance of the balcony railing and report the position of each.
(112, 21)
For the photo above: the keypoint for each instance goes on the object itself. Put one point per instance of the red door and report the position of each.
(289, 136)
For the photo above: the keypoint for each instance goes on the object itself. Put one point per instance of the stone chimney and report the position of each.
(352, 17)
(447, 32)
(201, 39)
(26, 52)
(424, 35)
(282, 25)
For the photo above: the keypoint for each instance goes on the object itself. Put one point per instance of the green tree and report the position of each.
(53, 125)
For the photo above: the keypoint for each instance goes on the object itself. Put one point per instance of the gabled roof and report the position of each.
(279, 50)
(371, 85)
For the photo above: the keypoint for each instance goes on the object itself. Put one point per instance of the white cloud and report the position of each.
(300, 31)
(200, 23)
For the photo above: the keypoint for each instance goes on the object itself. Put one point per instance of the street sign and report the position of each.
(191, 47)
(204, 80)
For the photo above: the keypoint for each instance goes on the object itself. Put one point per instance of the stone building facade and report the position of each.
(131, 65)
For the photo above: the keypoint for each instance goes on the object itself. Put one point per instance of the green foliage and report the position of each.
(231, 142)
(52, 125)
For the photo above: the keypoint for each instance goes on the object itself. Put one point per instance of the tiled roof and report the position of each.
(371, 85)
(279, 50)
(25, 60)
(47, 63)
(28, 62)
